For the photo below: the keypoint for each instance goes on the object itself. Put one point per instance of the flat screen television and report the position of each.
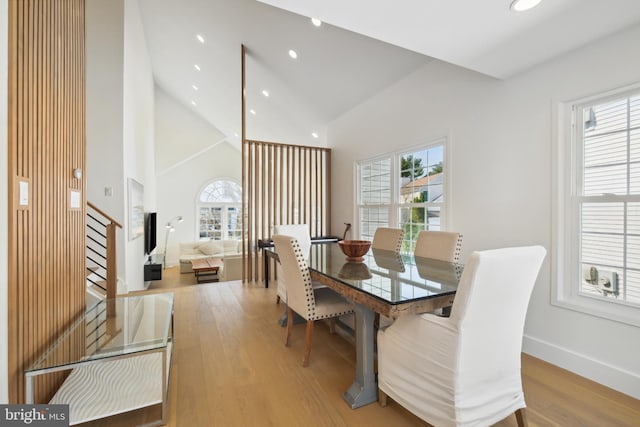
(150, 231)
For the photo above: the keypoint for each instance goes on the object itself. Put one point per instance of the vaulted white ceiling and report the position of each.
(362, 47)
(335, 70)
(482, 35)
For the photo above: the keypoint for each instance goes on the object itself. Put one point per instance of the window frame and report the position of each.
(426, 205)
(567, 199)
(395, 204)
(224, 206)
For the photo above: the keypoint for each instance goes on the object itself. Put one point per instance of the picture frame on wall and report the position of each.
(135, 199)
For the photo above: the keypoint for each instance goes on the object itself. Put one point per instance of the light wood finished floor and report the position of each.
(172, 278)
(231, 368)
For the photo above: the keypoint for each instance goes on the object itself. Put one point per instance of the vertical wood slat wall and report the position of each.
(46, 143)
(282, 184)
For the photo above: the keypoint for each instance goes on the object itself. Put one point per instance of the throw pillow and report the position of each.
(211, 247)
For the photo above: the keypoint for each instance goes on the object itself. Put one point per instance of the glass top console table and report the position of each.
(119, 355)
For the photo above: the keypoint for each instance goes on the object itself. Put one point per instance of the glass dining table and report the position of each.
(386, 283)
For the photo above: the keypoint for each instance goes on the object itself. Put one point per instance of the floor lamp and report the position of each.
(170, 229)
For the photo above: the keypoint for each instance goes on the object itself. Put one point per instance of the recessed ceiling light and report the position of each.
(265, 93)
(196, 66)
(316, 22)
(200, 38)
(314, 134)
(194, 87)
(253, 112)
(193, 103)
(293, 54)
(522, 5)
(235, 134)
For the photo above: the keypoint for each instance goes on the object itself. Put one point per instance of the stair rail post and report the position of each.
(112, 273)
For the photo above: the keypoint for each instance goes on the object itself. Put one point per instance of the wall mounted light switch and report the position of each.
(24, 193)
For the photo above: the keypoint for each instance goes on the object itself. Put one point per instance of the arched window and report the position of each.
(219, 211)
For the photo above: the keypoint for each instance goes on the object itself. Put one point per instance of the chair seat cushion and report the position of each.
(318, 285)
(329, 304)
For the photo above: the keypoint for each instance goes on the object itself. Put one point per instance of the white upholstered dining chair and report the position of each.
(464, 370)
(388, 239)
(302, 235)
(311, 304)
(440, 245)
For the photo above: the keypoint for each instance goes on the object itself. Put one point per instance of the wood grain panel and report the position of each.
(283, 184)
(46, 142)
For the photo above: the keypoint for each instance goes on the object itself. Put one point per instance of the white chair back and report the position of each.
(388, 239)
(464, 370)
(440, 245)
(489, 311)
(300, 232)
(295, 272)
(302, 235)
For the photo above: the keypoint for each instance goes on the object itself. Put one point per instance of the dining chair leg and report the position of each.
(307, 346)
(382, 398)
(289, 325)
(277, 299)
(521, 418)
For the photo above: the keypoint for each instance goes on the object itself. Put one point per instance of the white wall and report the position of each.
(178, 190)
(4, 207)
(500, 135)
(179, 184)
(120, 121)
(138, 131)
(181, 134)
(104, 100)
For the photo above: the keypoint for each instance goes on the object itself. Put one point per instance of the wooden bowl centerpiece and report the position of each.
(354, 249)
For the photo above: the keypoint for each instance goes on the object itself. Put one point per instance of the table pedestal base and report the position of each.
(364, 389)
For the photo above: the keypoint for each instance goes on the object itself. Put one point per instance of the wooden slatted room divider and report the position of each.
(282, 184)
(46, 143)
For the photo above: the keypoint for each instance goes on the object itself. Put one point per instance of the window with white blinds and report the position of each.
(606, 201)
(597, 214)
(404, 189)
(374, 197)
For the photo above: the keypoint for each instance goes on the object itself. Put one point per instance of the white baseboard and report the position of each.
(611, 376)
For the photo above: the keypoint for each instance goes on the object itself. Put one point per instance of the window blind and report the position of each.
(609, 198)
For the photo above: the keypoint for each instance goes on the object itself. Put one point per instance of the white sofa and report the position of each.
(231, 268)
(207, 249)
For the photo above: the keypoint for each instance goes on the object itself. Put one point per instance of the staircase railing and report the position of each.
(101, 253)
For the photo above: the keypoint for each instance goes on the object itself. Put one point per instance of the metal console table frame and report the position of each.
(130, 330)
